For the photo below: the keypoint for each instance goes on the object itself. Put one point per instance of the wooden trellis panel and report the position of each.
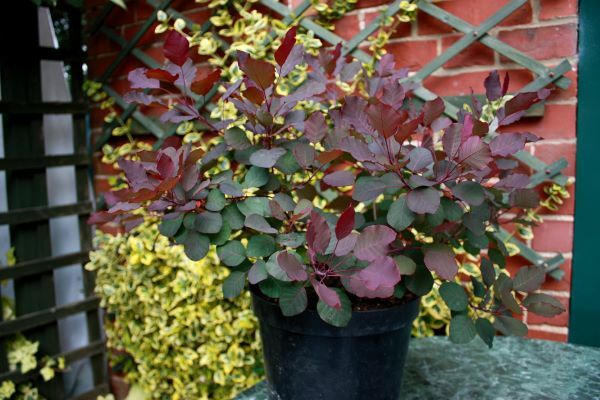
(472, 34)
(25, 165)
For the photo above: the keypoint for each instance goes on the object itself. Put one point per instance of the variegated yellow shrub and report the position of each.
(169, 315)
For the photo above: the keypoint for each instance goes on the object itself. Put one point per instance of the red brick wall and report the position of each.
(543, 29)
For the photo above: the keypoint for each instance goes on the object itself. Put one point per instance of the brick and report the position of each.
(142, 11)
(548, 153)
(553, 236)
(99, 44)
(199, 16)
(544, 42)
(101, 185)
(371, 3)
(550, 9)
(538, 334)
(475, 15)
(558, 122)
(102, 168)
(557, 320)
(413, 54)
(147, 38)
(461, 84)
(347, 27)
(475, 54)
(119, 17)
(568, 93)
(99, 65)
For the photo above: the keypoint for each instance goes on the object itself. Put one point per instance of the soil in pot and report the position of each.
(307, 359)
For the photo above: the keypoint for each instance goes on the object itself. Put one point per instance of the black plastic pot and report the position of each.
(307, 359)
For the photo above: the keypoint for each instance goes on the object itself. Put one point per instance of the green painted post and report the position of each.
(584, 327)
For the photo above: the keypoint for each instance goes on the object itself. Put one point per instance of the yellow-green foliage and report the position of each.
(168, 313)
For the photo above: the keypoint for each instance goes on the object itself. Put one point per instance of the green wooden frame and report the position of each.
(472, 34)
(25, 164)
(584, 324)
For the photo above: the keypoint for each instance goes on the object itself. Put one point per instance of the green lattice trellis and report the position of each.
(472, 34)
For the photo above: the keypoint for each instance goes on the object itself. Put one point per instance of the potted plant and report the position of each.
(340, 202)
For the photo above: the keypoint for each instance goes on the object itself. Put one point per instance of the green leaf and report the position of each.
(270, 287)
(486, 331)
(189, 221)
(215, 201)
(454, 295)
(254, 205)
(231, 188)
(223, 236)
(529, 279)
(169, 227)
(368, 188)
(399, 291)
(452, 211)
(293, 239)
(510, 326)
(234, 284)
(399, 216)
(233, 216)
(544, 305)
(232, 253)
(256, 177)
(208, 222)
(406, 265)
(503, 290)
(470, 192)
(261, 246)
(287, 164)
(497, 257)
(259, 223)
(437, 218)
(258, 272)
(195, 245)
(292, 299)
(462, 329)
(488, 273)
(237, 139)
(421, 282)
(336, 317)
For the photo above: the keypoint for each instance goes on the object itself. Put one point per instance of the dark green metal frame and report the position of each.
(584, 324)
(472, 34)
(25, 165)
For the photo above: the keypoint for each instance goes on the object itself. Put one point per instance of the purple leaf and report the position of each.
(376, 280)
(315, 127)
(513, 181)
(339, 178)
(136, 174)
(346, 245)
(304, 154)
(423, 200)
(493, 90)
(419, 158)
(134, 96)
(176, 48)
(345, 224)
(433, 109)
(318, 234)
(266, 158)
(373, 242)
(385, 119)
(138, 80)
(257, 272)
(358, 149)
(440, 259)
(507, 144)
(451, 140)
(475, 153)
(294, 58)
(326, 294)
(292, 267)
(188, 76)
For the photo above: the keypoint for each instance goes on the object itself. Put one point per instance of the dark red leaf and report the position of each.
(161, 75)
(282, 53)
(255, 95)
(205, 81)
(176, 48)
(260, 72)
(433, 109)
(345, 224)
(505, 84)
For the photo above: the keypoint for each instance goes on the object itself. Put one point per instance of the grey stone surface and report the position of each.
(513, 369)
